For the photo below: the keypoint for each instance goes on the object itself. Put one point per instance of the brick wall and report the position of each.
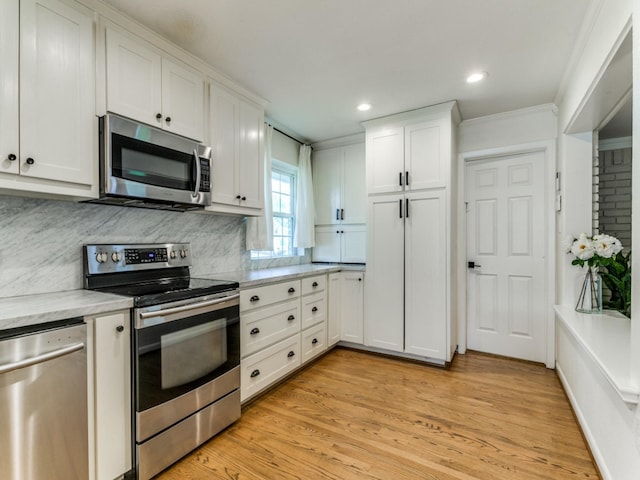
(614, 194)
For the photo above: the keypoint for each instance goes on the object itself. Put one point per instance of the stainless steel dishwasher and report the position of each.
(43, 402)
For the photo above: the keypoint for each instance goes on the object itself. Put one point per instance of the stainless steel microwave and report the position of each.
(143, 166)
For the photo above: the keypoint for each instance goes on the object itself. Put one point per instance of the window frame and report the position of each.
(283, 168)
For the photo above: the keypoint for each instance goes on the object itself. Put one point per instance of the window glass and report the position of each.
(283, 186)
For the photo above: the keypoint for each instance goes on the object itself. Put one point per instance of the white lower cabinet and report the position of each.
(346, 307)
(282, 326)
(313, 342)
(264, 327)
(352, 307)
(109, 373)
(260, 370)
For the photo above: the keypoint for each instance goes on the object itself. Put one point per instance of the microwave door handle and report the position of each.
(196, 158)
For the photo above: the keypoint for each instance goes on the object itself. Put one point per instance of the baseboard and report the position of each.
(586, 431)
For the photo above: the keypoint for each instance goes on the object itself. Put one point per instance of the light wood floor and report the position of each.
(353, 415)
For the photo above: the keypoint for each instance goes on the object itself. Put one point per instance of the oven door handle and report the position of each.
(186, 308)
(196, 158)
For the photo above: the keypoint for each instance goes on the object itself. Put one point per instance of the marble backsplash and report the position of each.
(42, 241)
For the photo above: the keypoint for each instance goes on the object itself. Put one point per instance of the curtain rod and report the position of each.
(287, 135)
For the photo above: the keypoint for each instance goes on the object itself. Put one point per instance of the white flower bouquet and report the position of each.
(595, 251)
(606, 262)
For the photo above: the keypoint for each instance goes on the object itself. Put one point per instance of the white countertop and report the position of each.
(606, 338)
(48, 307)
(252, 278)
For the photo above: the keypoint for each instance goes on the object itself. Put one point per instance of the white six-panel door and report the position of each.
(506, 295)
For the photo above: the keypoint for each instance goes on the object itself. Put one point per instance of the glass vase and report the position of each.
(590, 298)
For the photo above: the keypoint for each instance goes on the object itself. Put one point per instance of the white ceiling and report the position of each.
(315, 60)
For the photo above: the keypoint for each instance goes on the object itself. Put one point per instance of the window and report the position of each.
(283, 194)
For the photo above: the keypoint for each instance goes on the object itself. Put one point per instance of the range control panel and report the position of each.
(107, 258)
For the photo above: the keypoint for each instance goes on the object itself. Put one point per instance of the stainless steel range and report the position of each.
(186, 347)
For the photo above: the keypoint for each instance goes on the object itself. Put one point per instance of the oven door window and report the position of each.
(143, 162)
(179, 356)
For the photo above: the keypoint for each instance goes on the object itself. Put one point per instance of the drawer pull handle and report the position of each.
(255, 373)
(292, 290)
(314, 309)
(254, 331)
(291, 354)
(314, 284)
(255, 298)
(314, 341)
(291, 318)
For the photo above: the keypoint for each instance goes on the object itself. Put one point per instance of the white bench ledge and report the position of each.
(606, 338)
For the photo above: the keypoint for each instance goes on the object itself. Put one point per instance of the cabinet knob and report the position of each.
(314, 341)
(359, 279)
(30, 161)
(291, 318)
(120, 328)
(255, 373)
(255, 298)
(291, 354)
(158, 116)
(314, 284)
(254, 331)
(314, 309)
(238, 197)
(168, 119)
(243, 198)
(291, 290)
(11, 157)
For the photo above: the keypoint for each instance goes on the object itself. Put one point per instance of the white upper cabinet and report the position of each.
(238, 163)
(327, 185)
(251, 162)
(385, 160)
(145, 86)
(339, 185)
(50, 149)
(407, 158)
(341, 204)
(9, 139)
(427, 154)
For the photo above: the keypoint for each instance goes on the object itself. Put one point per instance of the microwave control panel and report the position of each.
(205, 175)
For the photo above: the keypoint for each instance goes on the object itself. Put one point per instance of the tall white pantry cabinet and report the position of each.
(409, 293)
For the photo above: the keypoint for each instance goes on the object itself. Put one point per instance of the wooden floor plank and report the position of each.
(353, 415)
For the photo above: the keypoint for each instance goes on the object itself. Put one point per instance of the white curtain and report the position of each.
(304, 234)
(260, 229)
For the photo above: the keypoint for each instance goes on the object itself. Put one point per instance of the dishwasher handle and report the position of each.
(45, 357)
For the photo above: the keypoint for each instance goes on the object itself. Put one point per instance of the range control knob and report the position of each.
(183, 253)
(116, 257)
(101, 257)
(173, 254)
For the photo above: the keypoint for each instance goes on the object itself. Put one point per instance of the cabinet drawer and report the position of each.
(263, 296)
(314, 309)
(266, 326)
(264, 368)
(314, 342)
(314, 284)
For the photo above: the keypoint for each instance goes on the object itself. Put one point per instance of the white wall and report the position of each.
(507, 133)
(518, 127)
(284, 149)
(610, 425)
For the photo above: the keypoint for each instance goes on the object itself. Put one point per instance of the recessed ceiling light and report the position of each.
(363, 107)
(476, 77)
